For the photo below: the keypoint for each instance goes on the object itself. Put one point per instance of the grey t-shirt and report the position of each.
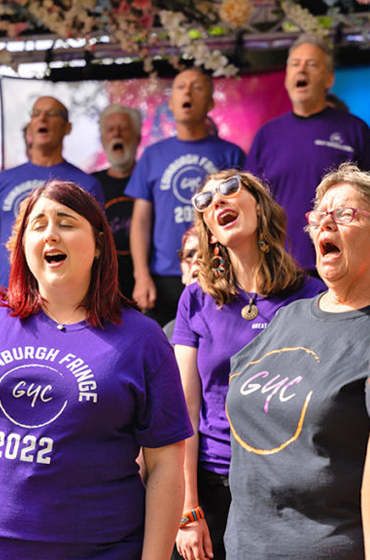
(296, 406)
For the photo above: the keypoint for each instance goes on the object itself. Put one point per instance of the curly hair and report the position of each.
(277, 271)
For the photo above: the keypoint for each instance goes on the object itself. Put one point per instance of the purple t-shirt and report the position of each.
(167, 175)
(293, 153)
(218, 334)
(75, 407)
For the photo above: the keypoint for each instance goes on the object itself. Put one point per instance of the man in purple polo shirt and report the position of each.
(293, 152)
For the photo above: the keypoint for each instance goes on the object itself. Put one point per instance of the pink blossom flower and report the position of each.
(146, 20)
(144, 5)
(15, 29)
(123, 8)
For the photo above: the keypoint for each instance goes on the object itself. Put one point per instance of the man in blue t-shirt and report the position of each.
(48, 126)
(163, 182)
(295, 150)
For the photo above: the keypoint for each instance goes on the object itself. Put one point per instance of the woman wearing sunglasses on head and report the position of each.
(296, 400)
(245, 276)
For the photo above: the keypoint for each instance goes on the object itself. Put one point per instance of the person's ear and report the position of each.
(67, 128)
(329, 81)
(211, 104)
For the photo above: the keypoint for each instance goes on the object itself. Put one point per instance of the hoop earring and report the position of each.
(262, 245)
(217, 263)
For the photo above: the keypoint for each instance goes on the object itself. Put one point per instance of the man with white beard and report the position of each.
(120, 131)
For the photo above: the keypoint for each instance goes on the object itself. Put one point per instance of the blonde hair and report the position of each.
(277, 271)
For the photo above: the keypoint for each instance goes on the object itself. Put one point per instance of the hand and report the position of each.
(194, 542)
(145, 293)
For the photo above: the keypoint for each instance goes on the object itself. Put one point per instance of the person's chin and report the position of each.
(329, 272)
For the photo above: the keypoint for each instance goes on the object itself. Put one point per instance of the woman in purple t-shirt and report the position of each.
(86, 381)
(245, 276)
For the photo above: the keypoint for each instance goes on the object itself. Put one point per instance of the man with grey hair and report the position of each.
(293, 151)
(120, 131)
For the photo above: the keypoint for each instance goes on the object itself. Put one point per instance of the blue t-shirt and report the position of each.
(293, 153)
(218, 334)
(167, 175)
(17, 183)
(75, 408)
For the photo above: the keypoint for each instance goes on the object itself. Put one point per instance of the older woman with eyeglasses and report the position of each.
(245, 276)
(296, 400)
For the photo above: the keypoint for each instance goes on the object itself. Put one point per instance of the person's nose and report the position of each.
(43, 116)
(116, 131)
(302, 65)
(194, 258)
(328, 223)
(218, 199)
(51, 234)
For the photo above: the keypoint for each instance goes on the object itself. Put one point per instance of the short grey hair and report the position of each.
(320, 42)
(134, 115)
(347, 173)
(201, 72)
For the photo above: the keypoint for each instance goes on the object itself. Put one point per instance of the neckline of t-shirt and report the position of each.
(329, 316)
(65, 328)
(314, 116)
(54, 165)
(201, 140)
(247, 296)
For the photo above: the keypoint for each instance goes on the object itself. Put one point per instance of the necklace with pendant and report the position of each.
(60, 326)
(250, 311)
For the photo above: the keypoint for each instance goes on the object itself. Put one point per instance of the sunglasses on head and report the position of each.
(228, 188)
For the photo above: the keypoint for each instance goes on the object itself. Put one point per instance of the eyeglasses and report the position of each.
(203, 200)
(50, 113)
(342, 215)
(187, 256)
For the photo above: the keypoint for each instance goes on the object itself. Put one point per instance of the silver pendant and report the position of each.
(60, 327)
(249, 312)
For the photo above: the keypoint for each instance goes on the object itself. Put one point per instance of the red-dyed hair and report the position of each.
(103, 300)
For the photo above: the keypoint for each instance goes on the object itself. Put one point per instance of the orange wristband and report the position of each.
(191, 516)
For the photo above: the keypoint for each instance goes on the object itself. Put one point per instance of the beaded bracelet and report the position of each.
(191, 516)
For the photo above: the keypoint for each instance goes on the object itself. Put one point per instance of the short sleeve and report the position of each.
(139, 185)
(162, 417)
(183, 331)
